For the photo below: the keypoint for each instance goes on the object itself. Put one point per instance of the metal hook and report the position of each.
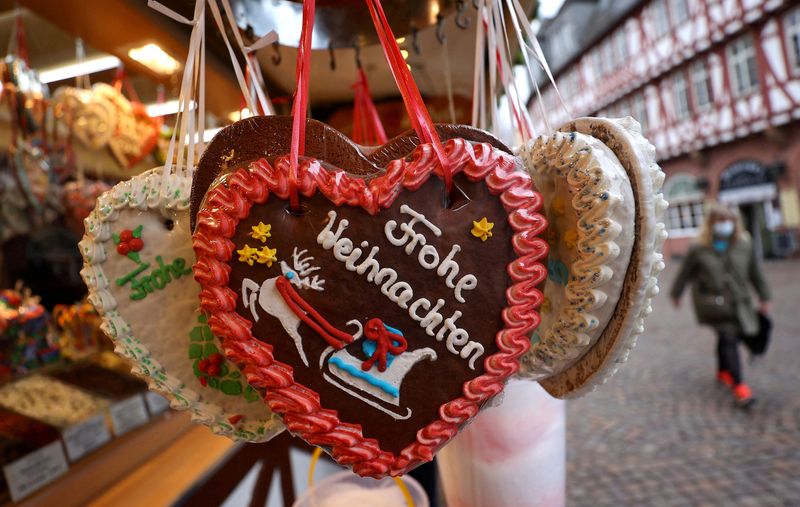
(332, 54)
(440, 36)
(462, 21)
(415, 40)
(357, 55)
(276, 58)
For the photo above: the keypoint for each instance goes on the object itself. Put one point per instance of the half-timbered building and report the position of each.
(715, 85)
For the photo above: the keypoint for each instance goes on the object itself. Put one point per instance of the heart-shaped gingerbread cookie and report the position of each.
(137, 255)
(376, 320)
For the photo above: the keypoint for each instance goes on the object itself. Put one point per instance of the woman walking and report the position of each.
(721, 268)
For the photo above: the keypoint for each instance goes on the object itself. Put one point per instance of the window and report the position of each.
(639, 107)
(679, 12)
(597, 64)
(609, 60)
(742, 66)
(701, 84)
(621, 43)
(685, 218)
(660, 17)
(791, 28)
(681, 90)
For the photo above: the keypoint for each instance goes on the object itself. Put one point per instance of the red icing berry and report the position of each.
(203, 365)
(136, 244)
(126, 235)
(235, 418)
(204, 381)
(123, 249)
(213, 370)
(216, 358)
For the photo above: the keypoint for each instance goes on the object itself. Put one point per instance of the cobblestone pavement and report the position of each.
(661, 432)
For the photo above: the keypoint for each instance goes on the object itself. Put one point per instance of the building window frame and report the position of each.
(702, 87)
(680, 94)
(743, 66)
(791, 31)
(659, 15)
(678, 12)
(639, 109)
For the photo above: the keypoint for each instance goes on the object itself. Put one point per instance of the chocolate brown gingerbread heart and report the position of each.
(375, 320)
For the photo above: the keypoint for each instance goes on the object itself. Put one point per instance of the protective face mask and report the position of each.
(724, 228)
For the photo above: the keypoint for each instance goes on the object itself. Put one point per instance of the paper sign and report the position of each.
(128, 414)
(38, 468)
(155, 403)
(81, 439)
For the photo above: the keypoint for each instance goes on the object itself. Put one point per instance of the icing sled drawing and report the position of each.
(376, 380)
(379, 388)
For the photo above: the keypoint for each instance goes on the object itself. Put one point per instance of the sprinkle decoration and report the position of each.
(482, 229)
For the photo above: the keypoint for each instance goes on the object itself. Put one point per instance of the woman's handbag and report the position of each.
(757, 344)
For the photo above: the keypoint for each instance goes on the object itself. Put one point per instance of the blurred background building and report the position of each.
(716, 87)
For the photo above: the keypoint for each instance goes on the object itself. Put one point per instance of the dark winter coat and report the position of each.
(724, 276)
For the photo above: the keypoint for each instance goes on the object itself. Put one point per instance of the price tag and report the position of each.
(128, 414)
(38, 468)
(81, 439)
(155, 402)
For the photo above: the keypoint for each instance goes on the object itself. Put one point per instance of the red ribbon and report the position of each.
(418, 114)
(367, 127)
(384, 340)
(300, 105)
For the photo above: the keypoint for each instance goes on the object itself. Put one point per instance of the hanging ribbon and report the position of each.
(418, 114)
(190, 119)
(300, 105)
(367, 127)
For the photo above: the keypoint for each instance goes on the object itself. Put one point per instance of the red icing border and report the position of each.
(300, 406)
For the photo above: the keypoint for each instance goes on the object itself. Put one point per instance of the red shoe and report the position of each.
(743, 395)
(725, 378)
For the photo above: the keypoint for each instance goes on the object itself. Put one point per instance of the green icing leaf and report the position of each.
(235, 375)
(213, 382)
(195, 351)
(116, 238)
(223, 370)
(206, 331)
(250, 394)
(230, 387)
(196, 334)
(137, 233)
(209, 349)
(202, 318)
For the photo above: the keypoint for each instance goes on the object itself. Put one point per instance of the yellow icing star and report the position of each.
(261, 232)
(267, 256)
(247, 255)
(482, 229)
(571, 238)
(559, 206)
(545, 308)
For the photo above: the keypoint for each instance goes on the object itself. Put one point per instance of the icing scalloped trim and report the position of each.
(144, 192)
(587, 285)
(637, 154)
(230, 200)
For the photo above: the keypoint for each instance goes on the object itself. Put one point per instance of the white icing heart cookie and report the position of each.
(602, 193)
(137, 264)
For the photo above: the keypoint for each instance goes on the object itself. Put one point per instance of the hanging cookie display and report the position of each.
(602, 193)
(138, 257)
(380, 312)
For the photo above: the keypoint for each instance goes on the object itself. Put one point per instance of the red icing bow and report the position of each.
(385, 341)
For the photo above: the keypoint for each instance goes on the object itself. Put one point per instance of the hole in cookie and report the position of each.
(169, 224)
(299, 211)
(457, 199)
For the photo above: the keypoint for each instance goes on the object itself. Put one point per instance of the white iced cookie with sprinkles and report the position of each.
(621, 296)
(588, 202)
(138, 254)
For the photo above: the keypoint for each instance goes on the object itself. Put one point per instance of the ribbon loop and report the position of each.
(385, 341)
